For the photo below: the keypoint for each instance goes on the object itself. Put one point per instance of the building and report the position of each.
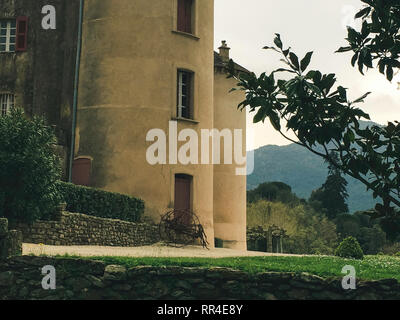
(140, 66)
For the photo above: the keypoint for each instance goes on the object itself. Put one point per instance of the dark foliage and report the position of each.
(101, 203)
(29, 168)
(332, 195)
(379, 38)
(272, 191)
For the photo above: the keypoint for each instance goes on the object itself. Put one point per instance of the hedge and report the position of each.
(100, 203)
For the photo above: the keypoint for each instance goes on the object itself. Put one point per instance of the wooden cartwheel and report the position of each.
(180, 228)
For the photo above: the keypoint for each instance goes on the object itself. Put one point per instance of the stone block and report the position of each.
(115, 272)
(11, 244)
(3, 227)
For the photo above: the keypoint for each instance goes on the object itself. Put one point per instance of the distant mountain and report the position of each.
(304, 172)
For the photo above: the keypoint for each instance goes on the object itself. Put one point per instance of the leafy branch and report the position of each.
(326, 123)
(379, 38)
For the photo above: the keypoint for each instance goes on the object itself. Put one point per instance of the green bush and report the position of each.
(100, 203)
(349, 248)
(29, 168)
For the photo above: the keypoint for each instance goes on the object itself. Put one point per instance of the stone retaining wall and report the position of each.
(80, 229)
(20, 278)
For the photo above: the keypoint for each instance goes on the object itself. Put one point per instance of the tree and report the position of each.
(29, 168)
(391, 226)
(379, 38)
(308, 232)
(347, 225)
(368, 232)
(372, 240)
(325, 120)
(272, 191)
(333, 194)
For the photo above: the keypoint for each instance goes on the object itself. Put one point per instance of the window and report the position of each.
(13, 34)
(8, 30)
(185, 94)
(185, 12)
(6, 103)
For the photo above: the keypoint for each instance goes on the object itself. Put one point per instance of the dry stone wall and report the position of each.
(80, 229)
(20, 278)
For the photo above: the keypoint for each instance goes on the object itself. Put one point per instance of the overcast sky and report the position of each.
(304, 25)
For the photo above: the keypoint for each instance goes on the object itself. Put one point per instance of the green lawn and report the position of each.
(371, 268)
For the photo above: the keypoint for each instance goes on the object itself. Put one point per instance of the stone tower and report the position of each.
(136, 59)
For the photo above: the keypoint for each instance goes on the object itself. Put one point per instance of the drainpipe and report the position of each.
(76, 84)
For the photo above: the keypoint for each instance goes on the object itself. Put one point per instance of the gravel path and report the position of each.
(156, 250)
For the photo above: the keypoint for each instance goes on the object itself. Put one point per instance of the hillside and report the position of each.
(303, 171)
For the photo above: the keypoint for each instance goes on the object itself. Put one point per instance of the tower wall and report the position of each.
(128, 78)
(229, 188)
(42, 76)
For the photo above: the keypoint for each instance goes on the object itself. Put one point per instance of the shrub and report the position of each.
(349, 248)
(308, 232)
(100, 203)
(29, 168)
(391, 248)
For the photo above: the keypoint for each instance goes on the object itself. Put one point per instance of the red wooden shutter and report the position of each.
(181, 15)
(188, 16)
(22, 34)
(185, 15)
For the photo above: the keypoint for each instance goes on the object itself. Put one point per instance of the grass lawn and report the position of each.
(370, 268)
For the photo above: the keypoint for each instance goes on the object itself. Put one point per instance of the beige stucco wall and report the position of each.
(128, 72)
(229, 188)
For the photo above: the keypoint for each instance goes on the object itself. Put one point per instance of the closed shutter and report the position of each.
(181, 15)
(185, 15)
(22, 34)
(188, 16)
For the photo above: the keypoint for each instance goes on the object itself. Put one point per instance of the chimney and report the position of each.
(224, 51)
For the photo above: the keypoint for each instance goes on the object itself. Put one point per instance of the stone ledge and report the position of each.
(87, 279)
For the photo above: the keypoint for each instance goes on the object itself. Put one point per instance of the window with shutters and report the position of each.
(6, 103)
(13, 34)
(185, 94)
(185, 16)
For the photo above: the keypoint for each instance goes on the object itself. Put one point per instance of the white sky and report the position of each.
(304, 25)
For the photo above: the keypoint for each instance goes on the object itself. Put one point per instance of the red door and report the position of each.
(183, 197)
(81, 171)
